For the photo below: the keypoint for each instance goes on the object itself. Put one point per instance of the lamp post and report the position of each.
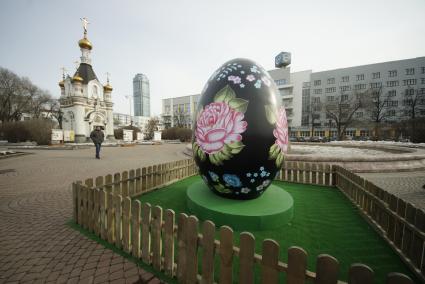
(129, 101)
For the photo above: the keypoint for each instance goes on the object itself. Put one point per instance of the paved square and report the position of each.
(36, 245)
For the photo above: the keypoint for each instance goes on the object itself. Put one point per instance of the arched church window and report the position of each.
(95, 91)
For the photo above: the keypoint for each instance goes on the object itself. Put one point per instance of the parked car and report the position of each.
(293, 139)
(301, 139)
(316, 139)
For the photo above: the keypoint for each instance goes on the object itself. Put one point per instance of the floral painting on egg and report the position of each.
(240, 132)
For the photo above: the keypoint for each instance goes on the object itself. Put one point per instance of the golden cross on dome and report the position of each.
(85, 23)
(63, 72)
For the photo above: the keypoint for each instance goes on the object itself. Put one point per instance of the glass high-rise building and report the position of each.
(141, 95)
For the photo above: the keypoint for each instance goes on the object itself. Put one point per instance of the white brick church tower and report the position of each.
(85, 102)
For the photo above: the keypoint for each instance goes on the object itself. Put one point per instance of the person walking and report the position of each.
(97, 137)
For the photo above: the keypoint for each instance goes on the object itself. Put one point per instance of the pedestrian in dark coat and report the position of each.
(97, 137)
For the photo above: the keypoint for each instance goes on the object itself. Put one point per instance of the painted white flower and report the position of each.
(245, 190)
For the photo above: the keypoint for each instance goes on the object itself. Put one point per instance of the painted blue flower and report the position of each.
(269, 174)
(254, 69)
(242, 72)
(263, 174)
(232, 180)
(261, 168)
(213, 176)
(239, 66)
(205, 179)
(252, 180)
(258, 84)
(255, 175)
(248, 174)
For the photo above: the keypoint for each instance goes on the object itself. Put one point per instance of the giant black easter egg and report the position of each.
(240, 133)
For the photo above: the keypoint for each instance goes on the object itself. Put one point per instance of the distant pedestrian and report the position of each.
(97, 137)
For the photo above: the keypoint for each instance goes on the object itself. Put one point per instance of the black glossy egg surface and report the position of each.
(240, 134)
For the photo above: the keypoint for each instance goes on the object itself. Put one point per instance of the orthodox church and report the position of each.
(85, 102)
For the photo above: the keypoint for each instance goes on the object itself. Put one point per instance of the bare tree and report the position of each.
(151, 127)
(413, 109)
(377, 104)
(341, 110)
(52, 109)
(180, 117)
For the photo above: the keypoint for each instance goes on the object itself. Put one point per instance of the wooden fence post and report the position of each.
(169, 242)
(208, 237)
(117, 183)
(124, 184)
(118, 220)
(181, 247)
(360, 273)
(131, 183)
(192, 250)
(297, 265)
(156, 237)
(269, 262)
(108, 183)
(326, 269)
(226, 254)
(103, 214)
(246, 258)
(126, 217)
(135, 228)
(146, 236)
(75, 202)
(111, 218)
(144, 179)
(398, 278)
(138, 181)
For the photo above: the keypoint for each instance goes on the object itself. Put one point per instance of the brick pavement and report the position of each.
(36, 245)
(408, 186)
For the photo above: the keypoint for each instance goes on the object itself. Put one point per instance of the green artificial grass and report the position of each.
(324, 222)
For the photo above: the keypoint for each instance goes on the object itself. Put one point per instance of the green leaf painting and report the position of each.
(275, 153)
(225, 95)
(270, 113)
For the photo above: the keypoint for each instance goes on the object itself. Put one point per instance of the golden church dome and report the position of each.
(85, 43)
(107, 88)
(77, 78)
(62, 84)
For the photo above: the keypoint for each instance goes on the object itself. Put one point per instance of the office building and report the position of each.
(179, 111)
(141, 95)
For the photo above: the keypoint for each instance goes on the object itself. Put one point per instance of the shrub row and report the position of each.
(38, 130)
(182, 134)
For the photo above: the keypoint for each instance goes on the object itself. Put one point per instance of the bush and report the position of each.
(119, 133)
(38, 130)
(182, 134)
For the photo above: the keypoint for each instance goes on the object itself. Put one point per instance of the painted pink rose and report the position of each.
(218, 124)
(281, 131)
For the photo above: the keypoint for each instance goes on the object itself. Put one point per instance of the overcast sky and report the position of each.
(179, 44)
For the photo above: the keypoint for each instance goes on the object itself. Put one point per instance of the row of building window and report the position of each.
(361, 77)
(280, 82)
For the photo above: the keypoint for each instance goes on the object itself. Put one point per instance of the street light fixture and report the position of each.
(129, 101)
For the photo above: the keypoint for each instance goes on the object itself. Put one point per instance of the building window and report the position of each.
(330, 98)
(360, 77)
(422, 80)
(317, 91)
(392, 73)
(345, 88)
(388, 103)
(391, 112)
(344, 98)
(316, 100)
(392, 83)
(409, 92)
(306, 84)
(280, 82)
(359, 114)
(317, 82)
(350, 133)
(331, 90)
(392, 93)
(376, 75)
(359, 87)
(331, 81)
(375, 85)
(407, 102)
(345, 79)
(421, 91)
(422, 70)
(409, 82)
(410, 71)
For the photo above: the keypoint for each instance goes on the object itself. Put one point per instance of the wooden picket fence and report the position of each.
(184, 250)
(398, 222)
(307, 173)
